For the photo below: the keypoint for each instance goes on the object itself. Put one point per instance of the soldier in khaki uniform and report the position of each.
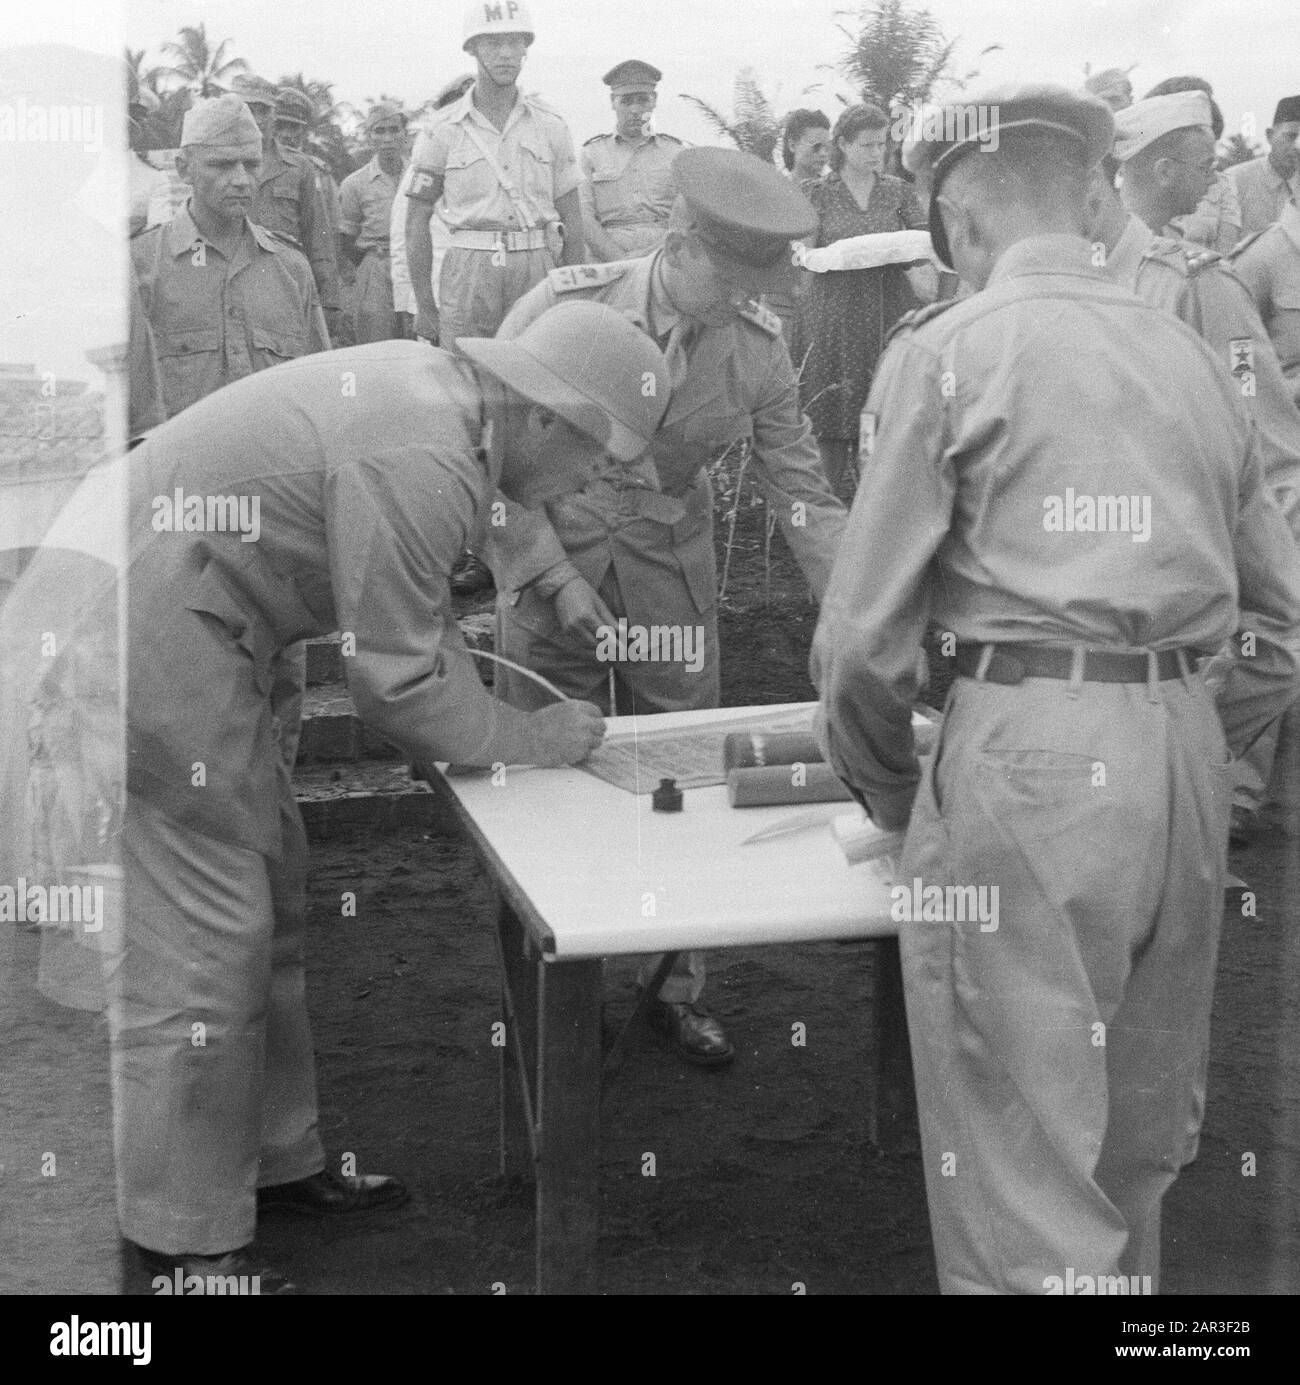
(628, 189)
(1057, 1025)
(224, 296)
(1265, 185)
(1165, 146)
(289, 199)
(366, 199)
(360, 501)
(622, 551)
(1268, 263)
(501, 170)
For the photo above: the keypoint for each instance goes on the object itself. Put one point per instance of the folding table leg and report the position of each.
(891, 1109)
(518, 1068)
(568, 1126)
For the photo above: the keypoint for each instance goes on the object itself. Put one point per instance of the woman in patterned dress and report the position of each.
(847, 314)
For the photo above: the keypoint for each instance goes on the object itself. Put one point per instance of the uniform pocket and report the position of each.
(188, 343)
(282, 345)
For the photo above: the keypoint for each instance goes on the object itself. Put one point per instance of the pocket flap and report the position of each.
(185, 343)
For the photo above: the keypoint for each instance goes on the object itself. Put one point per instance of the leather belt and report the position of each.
(1013, 663)
(500, 240)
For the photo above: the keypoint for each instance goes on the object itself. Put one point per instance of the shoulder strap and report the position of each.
(571, 277)
(517, 199)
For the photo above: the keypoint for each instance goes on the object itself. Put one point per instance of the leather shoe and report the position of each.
(329, 1194)
(1245, 827)
(471, 574)
(692, 1033)
(235, 1273)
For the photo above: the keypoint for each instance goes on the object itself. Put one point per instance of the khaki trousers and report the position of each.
(1058, 1056)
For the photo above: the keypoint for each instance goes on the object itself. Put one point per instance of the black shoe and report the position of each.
(236, 1273)
(1245, 828)
(692, 1033)
(470, 575)
(328, 1194)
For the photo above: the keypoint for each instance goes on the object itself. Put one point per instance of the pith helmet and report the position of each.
(589, 364)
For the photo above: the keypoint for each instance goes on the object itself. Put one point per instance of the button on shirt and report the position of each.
(366, 204)
(628, 187)
(991, 416)
(534, 150)
(216, 320)
(1262, 193)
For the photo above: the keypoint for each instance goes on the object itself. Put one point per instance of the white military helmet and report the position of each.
(497, 17)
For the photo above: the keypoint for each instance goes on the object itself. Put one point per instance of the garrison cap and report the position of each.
(633, 75)
(293, 105)
(220, 120)
(255, 91)
(952, 131)
(1288, 109)
(1145, 121)
(744, 211)
(384, 110)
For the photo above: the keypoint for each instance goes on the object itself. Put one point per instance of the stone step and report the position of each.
(331, 729)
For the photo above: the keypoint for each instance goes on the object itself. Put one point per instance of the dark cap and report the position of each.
(633, 75)
(745, 213)
(293, 105)
(254, 91)
(950, 132)
(1288, 109)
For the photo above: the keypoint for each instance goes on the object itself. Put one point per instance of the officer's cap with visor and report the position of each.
(631, 76)
(745, 214)
(589, 364)
(978, 123)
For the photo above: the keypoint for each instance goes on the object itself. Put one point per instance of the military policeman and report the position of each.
(1056, 466)
(1268, 263)
(503, 165)
(332, 494)
(628, 188)
(225, 297)
(366, 199)
(622, 551)
(288, 199)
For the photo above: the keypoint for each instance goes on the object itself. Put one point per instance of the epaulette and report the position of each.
(571, 277)
(1245, 242)
(673, 139)
(283, 239)
(535, 100)
(1184, 256)
(763, 318)
(595, 139)
(919, 316)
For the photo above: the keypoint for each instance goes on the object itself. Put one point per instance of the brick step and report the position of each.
(331, 729)
(335, 794)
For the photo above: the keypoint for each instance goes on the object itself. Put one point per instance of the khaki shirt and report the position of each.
(1269, 266)
(628, 188)
(290, 202)
(739, 386)
(534, 150)
(216, 320)
(365, 499)
(366, 204)
(1262, 193)
(1198, 287)
(989, 412)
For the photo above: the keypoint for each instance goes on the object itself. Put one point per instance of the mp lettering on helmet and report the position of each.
(495, 13)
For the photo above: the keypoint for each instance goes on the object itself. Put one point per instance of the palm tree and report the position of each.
(897, 57)
(755, 127)
(204, 69)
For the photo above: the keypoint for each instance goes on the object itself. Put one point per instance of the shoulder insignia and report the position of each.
(1245, 243)
(1200, 259)
(763, 318)
(595, 139)
(570, 278)
(918, 317)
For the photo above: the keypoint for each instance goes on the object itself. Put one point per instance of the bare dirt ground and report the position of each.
(763, 1178)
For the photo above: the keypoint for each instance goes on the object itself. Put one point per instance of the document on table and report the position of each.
(637, 761)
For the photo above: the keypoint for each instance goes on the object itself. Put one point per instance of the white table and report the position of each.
(586, 870)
